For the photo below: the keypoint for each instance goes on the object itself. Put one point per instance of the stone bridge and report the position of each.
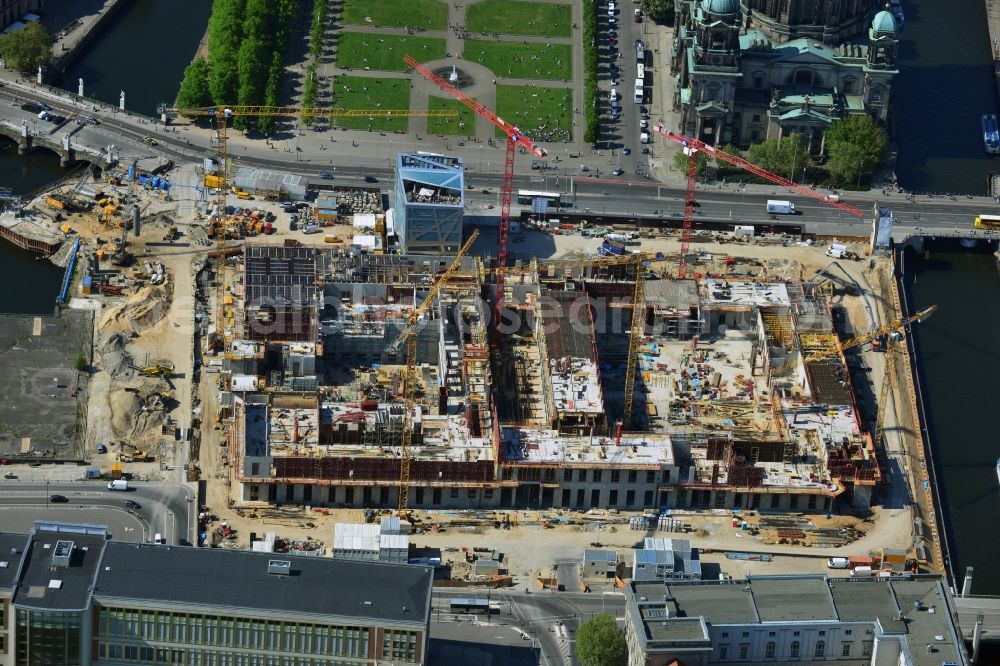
(59, 140)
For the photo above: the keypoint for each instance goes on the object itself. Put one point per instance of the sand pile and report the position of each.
(116, 361)
(137, 417)
(140, 312)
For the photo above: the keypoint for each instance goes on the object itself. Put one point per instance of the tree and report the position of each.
(681, 163)
(27, 49)
(661, 11)
(194, 92)
(786, 156)
(856, 145)
(599, 642)
(225, 34)
(79, 362)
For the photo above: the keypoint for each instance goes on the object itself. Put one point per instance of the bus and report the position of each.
(526, 197)
(470, 605)
(990, 222)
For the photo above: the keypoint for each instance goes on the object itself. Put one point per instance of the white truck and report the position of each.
(837, 251)
(775, 207)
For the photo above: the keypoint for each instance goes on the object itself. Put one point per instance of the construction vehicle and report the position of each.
(170, 233)
(213, 181)
(408, 335)
(515, 138)
(155, 369)
(222, 117)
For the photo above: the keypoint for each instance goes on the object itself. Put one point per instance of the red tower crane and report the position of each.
(691, 147)
(515, 138)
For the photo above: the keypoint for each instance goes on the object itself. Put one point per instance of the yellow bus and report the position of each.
(991, 222)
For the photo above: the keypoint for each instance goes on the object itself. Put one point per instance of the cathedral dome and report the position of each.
(720, 7)
(884, 22)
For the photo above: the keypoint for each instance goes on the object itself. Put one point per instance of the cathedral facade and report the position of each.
(749, 70)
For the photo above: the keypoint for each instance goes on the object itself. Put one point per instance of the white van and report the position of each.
(614, 94)
(158, 539)
(611, 9)
(859, 572)
(118, 484)
(838, 563)
(836, 250)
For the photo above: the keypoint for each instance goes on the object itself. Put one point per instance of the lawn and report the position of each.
(426, 14)
(513, 17)
(511, 60)
(464, 124)
(358, 50)
(361, 92)
(544, 114)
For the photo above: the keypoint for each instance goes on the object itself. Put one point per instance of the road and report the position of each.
(548, 619)
(164, 509)
(624, 194)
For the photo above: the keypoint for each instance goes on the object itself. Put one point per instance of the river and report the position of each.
(27, 285)
(142, 51)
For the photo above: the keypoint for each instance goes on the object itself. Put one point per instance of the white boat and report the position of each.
(998, 470)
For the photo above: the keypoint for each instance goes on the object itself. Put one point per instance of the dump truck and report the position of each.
(56, 203)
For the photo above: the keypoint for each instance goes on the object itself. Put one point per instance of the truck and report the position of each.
(612, 247)
(776, 207)
(837, 251)
(211, 180)
(620, 238)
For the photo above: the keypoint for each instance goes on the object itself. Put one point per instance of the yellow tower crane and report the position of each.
(868, 336)
(635, 336)
(222, 114)
(410, 380)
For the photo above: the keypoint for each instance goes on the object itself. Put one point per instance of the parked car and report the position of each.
(58, 499)
(132, 506)
(102, 448)
(626, 150)
(371, 179)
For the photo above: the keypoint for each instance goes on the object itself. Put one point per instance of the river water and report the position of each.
(142, 51)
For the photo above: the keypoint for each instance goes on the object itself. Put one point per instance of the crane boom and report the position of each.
(692, 181)
(433, 292)
(510, 130)
(746, 165)
(409, 384)
(515, 138)
(868, 336)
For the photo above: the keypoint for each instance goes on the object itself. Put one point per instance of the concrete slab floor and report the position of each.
(40, 392)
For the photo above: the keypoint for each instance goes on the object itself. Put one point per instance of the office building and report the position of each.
(73, 597)
(897, 621)
(428, 199)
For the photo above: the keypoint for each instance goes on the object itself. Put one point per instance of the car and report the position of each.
(326, 175)
(102, 448)
(90, 120)
(626, 150)
(58, 499)
(159, 539)
(269, 217)
(293, 225)
(150, 141)
(645, 150)
(644, 123)
(132, 506)
(618, 171)
(637, 16)
(371, 179)
(644, 114)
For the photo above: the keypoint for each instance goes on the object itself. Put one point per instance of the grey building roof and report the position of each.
(240, 580)
(11, 546)
(718, 604)
(793, 600)
(42, 584)
(595, 555)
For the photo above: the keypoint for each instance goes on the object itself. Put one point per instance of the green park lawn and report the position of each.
(464, 124)
(544, 114)
(358, 50)
(514, 60)
(361, 92)
(426, 14)
(513, 17)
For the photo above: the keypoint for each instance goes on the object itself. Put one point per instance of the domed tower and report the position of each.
(827, 21)
(883, 41)
(717, 29)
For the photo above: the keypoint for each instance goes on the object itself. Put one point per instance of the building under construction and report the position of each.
(731, 409)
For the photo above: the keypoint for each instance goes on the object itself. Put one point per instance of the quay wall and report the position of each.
(82, 36)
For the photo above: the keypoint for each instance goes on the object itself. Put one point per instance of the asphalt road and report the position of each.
(164, 509)
(548, 620)
(626, 195)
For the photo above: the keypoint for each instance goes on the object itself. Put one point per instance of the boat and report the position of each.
(991, 136)
(998, 470)
(896, 9)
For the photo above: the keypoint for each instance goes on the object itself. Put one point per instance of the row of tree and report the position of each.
(855, 146)
(661, 11)
(592, 116)
(246, 41)
(317, 31)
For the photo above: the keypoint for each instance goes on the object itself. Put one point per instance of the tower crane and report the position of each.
(410, 380)
(515, 138)
(635, 335)
(868, 336)
(222, 116)
(692, 146)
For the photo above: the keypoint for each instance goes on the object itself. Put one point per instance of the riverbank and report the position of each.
(69, 44)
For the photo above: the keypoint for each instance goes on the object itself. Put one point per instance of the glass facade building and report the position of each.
(428, 201)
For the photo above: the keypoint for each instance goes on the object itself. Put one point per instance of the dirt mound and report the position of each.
(137, 416)
(116, 361)
(140, 312)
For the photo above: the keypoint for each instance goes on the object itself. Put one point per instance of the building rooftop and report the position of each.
(240, 580)
(727, 292)
(11, 546)
(59, 566)
(547, 446)
(793, 600)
